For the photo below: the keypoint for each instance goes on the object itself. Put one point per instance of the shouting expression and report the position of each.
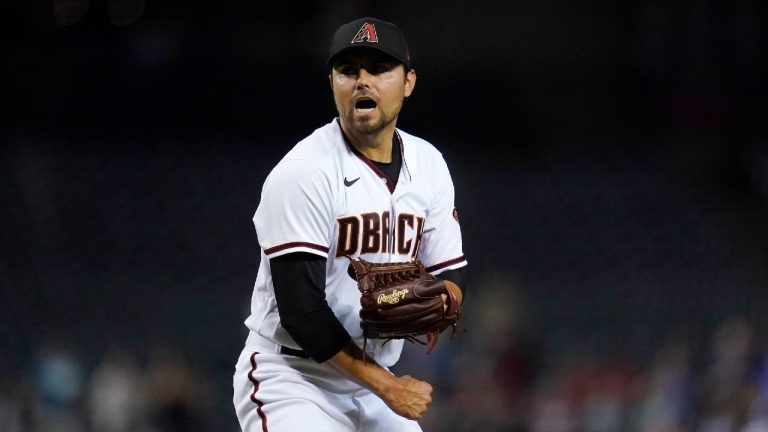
(369, 88)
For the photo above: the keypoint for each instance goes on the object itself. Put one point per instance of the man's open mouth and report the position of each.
(365, 105)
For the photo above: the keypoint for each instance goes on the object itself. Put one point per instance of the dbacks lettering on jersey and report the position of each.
(370, 233)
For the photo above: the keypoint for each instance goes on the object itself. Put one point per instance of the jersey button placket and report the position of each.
(393, 212)
(400, 191)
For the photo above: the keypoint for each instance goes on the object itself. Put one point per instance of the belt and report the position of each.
(258, 343)
(293, 352)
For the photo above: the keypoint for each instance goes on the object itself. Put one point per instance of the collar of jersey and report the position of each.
(396, 138)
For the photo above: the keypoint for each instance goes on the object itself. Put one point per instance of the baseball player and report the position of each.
(355, 188)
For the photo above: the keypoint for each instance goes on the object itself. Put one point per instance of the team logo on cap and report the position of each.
(367, 33)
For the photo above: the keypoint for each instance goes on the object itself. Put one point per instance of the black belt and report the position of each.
(293, 352)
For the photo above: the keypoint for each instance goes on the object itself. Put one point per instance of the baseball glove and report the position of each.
(402, 301)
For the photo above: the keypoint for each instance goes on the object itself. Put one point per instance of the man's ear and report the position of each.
(330, 79)
(410, 81)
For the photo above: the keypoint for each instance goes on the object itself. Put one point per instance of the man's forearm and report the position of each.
(405, 395)
(361, 368)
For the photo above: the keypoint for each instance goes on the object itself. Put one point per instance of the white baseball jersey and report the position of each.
(326, 198)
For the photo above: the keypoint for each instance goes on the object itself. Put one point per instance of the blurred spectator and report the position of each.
(725, 386)
(58, 381)
(12, 406)
(552, 412)
(665, 400)
(758, 412)
(606, 404)
(115, 400)
(178, 396)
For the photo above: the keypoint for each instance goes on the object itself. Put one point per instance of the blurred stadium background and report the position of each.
(611, 170)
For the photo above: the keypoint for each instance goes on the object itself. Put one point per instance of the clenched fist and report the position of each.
(408, 397)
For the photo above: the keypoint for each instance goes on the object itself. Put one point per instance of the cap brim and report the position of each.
(345, 50)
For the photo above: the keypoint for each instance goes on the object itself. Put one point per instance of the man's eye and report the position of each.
(347, 70)
(379, 68)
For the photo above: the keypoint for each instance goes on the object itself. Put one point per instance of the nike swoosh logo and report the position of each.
(349, 183)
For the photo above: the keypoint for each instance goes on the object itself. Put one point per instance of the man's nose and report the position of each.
(363, 78)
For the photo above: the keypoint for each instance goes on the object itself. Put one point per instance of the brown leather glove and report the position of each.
(402, 301)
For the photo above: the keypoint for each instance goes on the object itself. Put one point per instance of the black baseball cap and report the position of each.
(370, 33)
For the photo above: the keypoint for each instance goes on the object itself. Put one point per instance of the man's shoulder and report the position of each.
(314, 157)
(320, 146)
(417, 144)
(420, 154)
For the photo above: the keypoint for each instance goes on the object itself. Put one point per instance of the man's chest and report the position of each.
(371, 220)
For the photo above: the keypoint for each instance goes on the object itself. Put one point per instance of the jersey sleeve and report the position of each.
(441, 247)
(295, 212)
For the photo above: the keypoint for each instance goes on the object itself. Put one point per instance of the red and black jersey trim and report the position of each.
(257, 401)
(291, 245)
(390, 182)
(445, 264)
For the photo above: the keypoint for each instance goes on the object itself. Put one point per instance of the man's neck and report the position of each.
(376, 146)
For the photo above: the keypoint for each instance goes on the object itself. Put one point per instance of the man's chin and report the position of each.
(367, 125)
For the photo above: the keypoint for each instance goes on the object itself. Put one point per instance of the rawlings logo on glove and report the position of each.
(393, 298)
